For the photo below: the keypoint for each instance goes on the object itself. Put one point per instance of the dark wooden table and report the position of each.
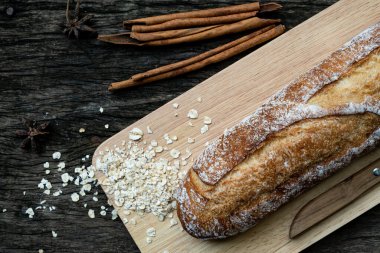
(45, 76)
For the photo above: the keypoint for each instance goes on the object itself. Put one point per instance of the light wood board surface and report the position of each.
(234, 93)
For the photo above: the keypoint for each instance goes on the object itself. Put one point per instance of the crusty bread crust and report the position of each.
(303, 134)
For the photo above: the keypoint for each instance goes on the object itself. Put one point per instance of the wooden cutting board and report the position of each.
(234, 93)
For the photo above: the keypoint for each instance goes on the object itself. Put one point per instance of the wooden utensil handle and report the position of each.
(335, 198)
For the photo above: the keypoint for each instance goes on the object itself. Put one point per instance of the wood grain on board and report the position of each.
(234, 93)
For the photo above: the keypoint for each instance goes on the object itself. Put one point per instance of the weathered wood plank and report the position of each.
(45, 76)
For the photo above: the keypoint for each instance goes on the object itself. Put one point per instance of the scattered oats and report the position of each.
(56, 155)
(168, 139)
(64, 184)
(192, 114)
(85, 205)
(91, 213)
(102, 207)
(187, 155)
(149, 240)
(154, 143)
(151, 232)
(190, 140)
(4, 210)
(207, 120)
(65, 177)
(170, 215)
(48, 185)
(43, 202)
(101, 110)
(87, 156)
(175, 106)
(47, 172)
(57, 193)
(206, 144)
(136, 134)
(81, 192)
(114, 214)
(199, 99)
(161, 217)
(176, 114)
(46, 165)
(119, 201)
(75, 197)
(173, 222)
(86, 187)
(165, 251)
(47, 192)
(204, 129)
(94, 198)
(54, 233)
(42, 184)
(125, 220)
(127, 212)
(82, 130)
(30, 212)
(61, 166)
(24, 192)
(174, 138)
(133, 221)
(106, 126)
(190, 124)
(149, 130)
(95, 193)
(175, 153)
(40, 251)
(182, 175)
(103, 213)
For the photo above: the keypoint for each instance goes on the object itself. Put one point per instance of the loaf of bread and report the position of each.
(303, 134)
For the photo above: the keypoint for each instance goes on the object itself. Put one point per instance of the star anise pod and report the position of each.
(76, 25)
(34, 134)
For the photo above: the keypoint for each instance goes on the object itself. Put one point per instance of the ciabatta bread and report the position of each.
(302, 135)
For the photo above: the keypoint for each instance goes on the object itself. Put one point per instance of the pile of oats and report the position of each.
(139, 182)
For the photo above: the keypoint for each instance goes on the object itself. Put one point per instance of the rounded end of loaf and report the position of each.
(194, 220)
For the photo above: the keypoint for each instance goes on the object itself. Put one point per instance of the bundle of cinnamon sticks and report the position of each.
(195, 26)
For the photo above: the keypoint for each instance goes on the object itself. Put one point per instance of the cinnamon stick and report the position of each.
(199, 57)
(224, 54)
(120, 39)
(193, 22)
(244, 25)
(267, 7)
(241, 26)
(196, 14)
(160, 35)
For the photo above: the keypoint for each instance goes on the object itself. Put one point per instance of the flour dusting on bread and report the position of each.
(204, 189)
